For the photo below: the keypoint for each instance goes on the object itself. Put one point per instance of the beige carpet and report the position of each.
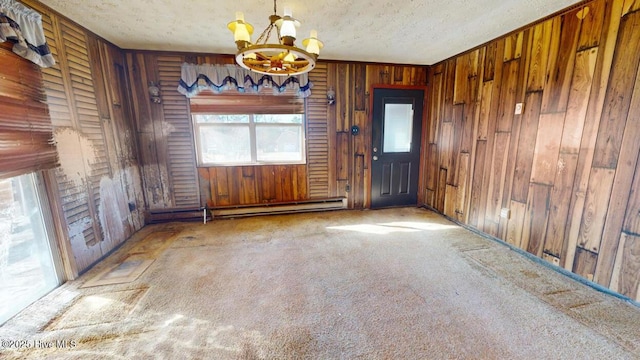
(385, 284)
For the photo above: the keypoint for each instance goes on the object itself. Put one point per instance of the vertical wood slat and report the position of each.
(578, 100)
(526, 147)
(627, 167)
(559, 204)
(600, 82)
(618, 98)
(541, 41)
(547, 148)
(626, 273)
(595, 208)
(561, 63)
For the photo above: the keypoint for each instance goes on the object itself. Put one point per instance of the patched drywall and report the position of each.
(76, 153)
(112, 213)
(84, 254)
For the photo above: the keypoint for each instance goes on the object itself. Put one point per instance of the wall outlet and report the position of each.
(519, 108)
(505, 213)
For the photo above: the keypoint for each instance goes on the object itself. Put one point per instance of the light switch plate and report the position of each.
(519, 108)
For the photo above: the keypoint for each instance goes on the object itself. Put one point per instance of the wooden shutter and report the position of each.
(317, 138)
(182, 172)
(26, 143)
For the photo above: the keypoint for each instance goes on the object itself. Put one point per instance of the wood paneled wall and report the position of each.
(337, 162)
(350, 155)
(97, 195)
(565, 169)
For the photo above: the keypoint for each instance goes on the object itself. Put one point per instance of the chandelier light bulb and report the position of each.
(290, 57)
(287, 27)
(312, 44)
(241, 30)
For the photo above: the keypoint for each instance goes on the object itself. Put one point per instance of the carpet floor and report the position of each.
(385, 284)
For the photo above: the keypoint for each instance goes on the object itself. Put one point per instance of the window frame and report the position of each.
(253, 138)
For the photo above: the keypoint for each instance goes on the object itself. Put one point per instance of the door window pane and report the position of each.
(26, 266)
(398, 126)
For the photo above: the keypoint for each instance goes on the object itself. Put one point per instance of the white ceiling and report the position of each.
(420, 32)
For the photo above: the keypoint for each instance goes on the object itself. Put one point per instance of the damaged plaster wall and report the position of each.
(95, 224)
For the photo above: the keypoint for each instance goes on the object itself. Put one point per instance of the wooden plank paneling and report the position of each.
(561, 63)
(536, 217)
(618, 98)
(463, 181)
(585, 263)
(627, 166)
(592, 15)
(509, 89)
(591, 125)
(632, 218)
(545, 155)
(441, 190)
(513, 46)
(497, 176)
(450, 201)
(489, 62)
(435, 111)
(595, 209)
(578, 100)
(540, 46)
(626, 273)
(485, 109)
(526, 147)
(515, 224)
(477, 207)
(559, 204)
(566, 168)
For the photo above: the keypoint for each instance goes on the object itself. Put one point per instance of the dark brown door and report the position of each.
(397, 124)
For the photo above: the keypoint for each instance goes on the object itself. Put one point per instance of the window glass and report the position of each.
(27, 269)
(221, 119)
(279, 118)
(250, 139)
(222, 144)
(278, 143)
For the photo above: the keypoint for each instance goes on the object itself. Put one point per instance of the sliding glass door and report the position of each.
(27, 267)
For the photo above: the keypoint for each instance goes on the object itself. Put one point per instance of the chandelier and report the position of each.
(281, 58)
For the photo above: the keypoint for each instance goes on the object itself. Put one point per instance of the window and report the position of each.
(249, 130)
(27, 267)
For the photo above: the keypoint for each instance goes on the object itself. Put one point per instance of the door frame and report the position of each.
(423, 137)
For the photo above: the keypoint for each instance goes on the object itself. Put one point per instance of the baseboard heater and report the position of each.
(279, 208)
(175, 214)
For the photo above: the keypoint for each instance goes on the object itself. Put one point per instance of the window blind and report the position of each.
(239, 103)
(26, 133)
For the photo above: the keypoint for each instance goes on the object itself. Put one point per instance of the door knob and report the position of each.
(375, 158)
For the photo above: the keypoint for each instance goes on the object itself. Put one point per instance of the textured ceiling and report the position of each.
(401, 31)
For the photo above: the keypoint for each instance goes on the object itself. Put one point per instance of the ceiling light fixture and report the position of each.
(282, 58)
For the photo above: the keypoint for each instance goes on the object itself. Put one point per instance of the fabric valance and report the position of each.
(23, 27)
(218, 78)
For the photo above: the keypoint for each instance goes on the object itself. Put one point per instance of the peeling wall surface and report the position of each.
(99, 185)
